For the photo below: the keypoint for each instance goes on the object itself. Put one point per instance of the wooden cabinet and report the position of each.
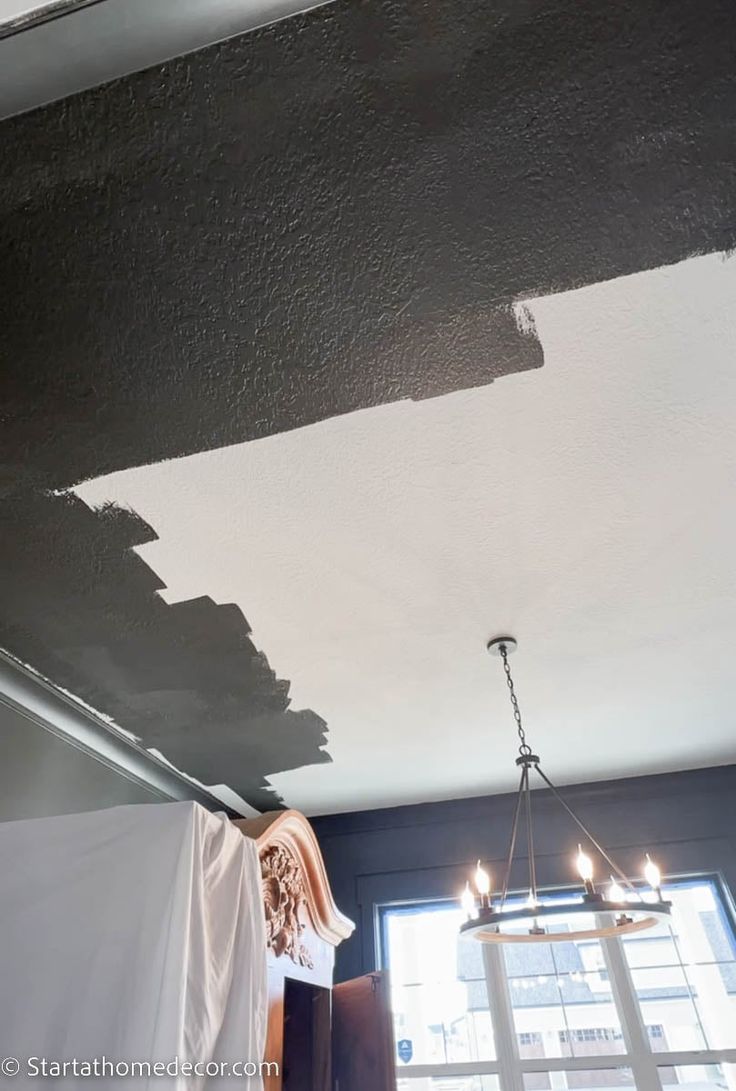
(322, 1038)
(303, 927)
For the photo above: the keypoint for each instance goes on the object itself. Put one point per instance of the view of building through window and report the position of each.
(651, 1011)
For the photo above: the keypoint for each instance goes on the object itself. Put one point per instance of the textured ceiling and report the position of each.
(321, 244)
(584, 508)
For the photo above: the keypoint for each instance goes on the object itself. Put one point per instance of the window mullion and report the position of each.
(502, 1019)
(640, 1057)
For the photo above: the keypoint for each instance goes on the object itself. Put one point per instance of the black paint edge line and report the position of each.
(38, 700)
(43, 63)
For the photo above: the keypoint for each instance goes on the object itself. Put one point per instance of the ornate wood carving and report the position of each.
(284, 896)
(289, 833)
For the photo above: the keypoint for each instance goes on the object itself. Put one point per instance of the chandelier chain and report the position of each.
(524, 747)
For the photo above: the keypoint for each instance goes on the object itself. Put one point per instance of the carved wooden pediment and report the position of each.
(295, 884)
(284, 902)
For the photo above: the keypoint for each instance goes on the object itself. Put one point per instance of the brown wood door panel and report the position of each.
(362, 1035)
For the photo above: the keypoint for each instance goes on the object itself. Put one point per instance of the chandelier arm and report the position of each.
(512, 840)
(530, 836)
(612, 863)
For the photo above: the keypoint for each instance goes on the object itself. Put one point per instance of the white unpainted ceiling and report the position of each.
(587, 508)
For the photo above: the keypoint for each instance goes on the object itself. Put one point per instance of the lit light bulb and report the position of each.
(532, 902)
(616, 892)
(652, 874)
(482, 881)
(467, 901)
(585, 866)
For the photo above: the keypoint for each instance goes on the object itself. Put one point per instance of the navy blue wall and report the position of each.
(426, 851)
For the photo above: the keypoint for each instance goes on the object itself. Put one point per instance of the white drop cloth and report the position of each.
(133, 934)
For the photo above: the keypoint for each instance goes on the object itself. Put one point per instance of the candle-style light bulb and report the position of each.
(532, 902)
(483, 885)
(467, 901)
(652, 874)
(585, 865)
(585, 870)
(616, 892)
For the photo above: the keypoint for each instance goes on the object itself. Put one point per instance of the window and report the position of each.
(590, 1034)
(648, 1011)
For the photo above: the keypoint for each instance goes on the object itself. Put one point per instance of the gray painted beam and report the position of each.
(102, 41)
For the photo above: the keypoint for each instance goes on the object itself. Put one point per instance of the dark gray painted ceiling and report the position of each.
(328, 214)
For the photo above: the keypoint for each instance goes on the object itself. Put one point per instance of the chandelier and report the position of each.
(621, 909)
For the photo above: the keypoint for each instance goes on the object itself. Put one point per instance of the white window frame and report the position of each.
(511, 1068)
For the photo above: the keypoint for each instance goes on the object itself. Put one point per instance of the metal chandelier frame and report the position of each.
(613, 917)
